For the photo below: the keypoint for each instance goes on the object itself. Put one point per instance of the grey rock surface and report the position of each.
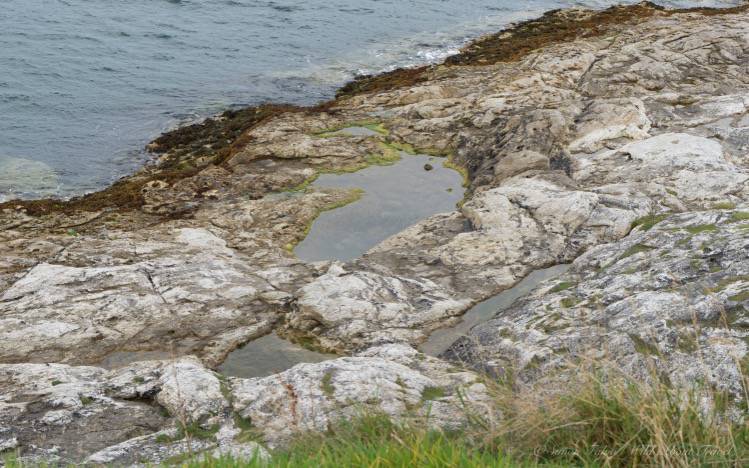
(667, 302)
(112, 315)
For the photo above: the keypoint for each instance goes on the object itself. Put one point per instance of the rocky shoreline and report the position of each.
(615, 140)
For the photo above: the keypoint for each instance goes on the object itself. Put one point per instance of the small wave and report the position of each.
(8, 98)
(366, 11)
(426, 48)
(159, 35)
(285, 8)
(162, 59)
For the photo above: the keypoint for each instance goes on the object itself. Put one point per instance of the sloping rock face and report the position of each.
(155, 410)
(176, 289)
(395, 380)
(115, 307)
(669, 301)
(565, 150)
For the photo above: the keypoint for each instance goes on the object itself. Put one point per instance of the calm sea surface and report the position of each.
(84, 84)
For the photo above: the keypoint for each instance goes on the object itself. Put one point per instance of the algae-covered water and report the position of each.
(85, 84)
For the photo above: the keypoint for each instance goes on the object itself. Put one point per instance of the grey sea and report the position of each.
(84, 84)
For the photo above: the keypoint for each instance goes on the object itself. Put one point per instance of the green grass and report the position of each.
(86, 400)
(595, 418)
(614, 421)
(248, 432)
(568, 302)
(740, 297)
(725, 282)
(432, 393)
(194, 430)
(644, 347)
(374, 441)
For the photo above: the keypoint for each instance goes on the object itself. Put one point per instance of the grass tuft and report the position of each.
(564, 285)
(605, 419)
(327, 384)
(646, 223)
(432, 393)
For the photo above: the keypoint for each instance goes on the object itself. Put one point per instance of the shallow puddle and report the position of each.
(267, 356)
(440, 340)
(123, 358)
(395, 197)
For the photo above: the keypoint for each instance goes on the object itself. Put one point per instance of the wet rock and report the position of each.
(563, 149)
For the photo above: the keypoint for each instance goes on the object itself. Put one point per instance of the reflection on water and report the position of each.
(395, 197)
(267, 356)
(441, 339)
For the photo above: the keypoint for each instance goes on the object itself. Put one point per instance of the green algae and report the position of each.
(702, 228)
(635, 249)
(739, 216)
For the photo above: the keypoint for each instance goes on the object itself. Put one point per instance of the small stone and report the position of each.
(428, 167)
